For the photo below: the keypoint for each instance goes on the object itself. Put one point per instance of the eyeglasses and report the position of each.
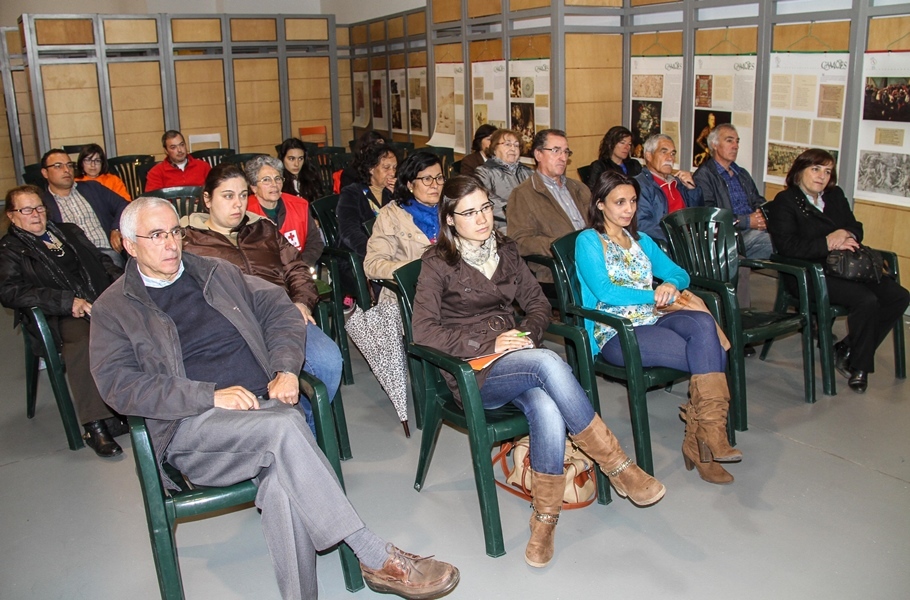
(557, 151)
(470, 214)
(428, 180)
(510, 144)
(92, 161)
(30, 209)
(70, 166)
(159, 237)
(277, 180)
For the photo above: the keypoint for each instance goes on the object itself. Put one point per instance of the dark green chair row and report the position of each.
(126, 167)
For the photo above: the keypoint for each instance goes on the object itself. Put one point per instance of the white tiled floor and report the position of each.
(820, 507)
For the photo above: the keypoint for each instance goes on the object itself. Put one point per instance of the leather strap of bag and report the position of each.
(524, 492)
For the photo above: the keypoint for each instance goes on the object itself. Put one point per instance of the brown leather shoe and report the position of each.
(411, 576)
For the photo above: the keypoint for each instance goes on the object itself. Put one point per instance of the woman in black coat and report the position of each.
(808, 220)
(614, 155)
(55, 267)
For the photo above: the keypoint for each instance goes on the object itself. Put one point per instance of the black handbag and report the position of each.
(863, 265)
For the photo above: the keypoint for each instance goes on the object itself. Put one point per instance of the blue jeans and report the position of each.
(541, 385)
(323, 361)
(684, 340)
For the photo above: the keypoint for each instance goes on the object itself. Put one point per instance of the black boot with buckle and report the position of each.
(99, 439)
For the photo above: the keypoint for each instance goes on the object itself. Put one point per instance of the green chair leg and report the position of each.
(486, 494)
(641, 428)
(431, 428)
(900, 350)
(31, 378)
(341, 427)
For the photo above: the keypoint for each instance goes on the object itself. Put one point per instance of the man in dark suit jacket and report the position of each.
(88, 204)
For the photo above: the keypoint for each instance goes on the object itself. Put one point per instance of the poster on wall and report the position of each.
(379, 102)
(805, 107)
(529, 98)
(488, 94)
(450, 128)
(883, 159)
(656, 98)
(417, 101)
(724, 93)
(361, 93)
(398, 94)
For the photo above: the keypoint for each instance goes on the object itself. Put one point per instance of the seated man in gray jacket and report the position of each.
(727, 185)
(210, 357)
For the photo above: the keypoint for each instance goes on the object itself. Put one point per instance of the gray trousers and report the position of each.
(303, 507)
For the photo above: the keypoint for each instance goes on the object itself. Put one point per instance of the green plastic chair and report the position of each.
(213, 156)
(403, 148)
(186, 199)
(125, 167)
(825, 313)
(456, 167)
(241, 159)
(31, 175)
(330, 150)
(164, 509)
(584, 173)
(324, 163)
(446, 155)
(484, 427)
(47, 349)
(638, 379)
(703, 242)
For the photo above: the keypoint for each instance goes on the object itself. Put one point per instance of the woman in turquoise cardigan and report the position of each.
(616, 266)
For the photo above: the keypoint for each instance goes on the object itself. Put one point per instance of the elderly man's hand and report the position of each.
(285, 388)
(236, 397)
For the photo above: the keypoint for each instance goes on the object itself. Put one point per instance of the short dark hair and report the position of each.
(292, 144)
(49, 152)
(540, 138)
(169, 135)
(87, 151)
(20, 190)
(614, 135)
(221, 173)
(607, 182)
(453, 191)
(811, 158)
(407, 173)
(369, 157)
(484, 131)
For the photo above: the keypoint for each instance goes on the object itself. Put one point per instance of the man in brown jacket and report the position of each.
(547, 205)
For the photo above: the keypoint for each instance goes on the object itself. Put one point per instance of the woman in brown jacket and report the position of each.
(468, 283)
(257, 247)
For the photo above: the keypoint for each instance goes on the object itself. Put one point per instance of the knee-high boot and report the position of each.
(598, 442)
(547, 492)
(710, 397)
(708, 470)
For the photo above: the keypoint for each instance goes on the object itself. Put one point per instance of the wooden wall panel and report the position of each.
(483, 8)
(254, 30)
(311, 29)
(72, 104)
(833, 36)
(886, 33)
(447, 53)
(530, 46)
(196, 30)
(27, 134)
(417, 23)
(343, 36)
(485, 50)
(417, 59)
(649, 2)
(593, 92)
(7, 169)
(258, 104)
(396, 61)
(609, 3)
(14, 42)
(137, 106)
(660, 43)
(727, 40)
(446, 11)
(886, 227)
(64, 32)
(130, 31)
(526, 4)
(345, 103)
(201, 98)
(378, 63)
(359, 35)
(377, 31)
(310, 93)
(396, 28)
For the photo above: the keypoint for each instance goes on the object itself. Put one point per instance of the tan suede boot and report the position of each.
(598, 442)
(547, 492)
(710, 397)
(697, 454)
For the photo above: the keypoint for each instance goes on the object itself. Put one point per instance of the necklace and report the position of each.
(53, 244)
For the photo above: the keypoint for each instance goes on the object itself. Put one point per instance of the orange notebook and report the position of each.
(482, 362)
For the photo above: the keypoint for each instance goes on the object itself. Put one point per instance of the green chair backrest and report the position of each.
(330, 150)
(703, 242)
(406, 278)
(568, 288)
(456, 167)
(446, 155)
(340, 161)
(241, 159)
(403, 148)
(126, 167)
(584, 173)
(368, 225)
(186, 199)
(32, 175)
(328, 220)
(213, 156)
(324, 164)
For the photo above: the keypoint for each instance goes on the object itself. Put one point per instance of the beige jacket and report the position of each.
(395, 242)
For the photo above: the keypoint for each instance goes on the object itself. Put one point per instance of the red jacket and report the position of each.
(296, 223)
(165, 174)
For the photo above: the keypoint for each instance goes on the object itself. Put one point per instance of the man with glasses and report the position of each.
(178, 169)
(211, 357)
(88, 204)
(548, 205)
(662, 192)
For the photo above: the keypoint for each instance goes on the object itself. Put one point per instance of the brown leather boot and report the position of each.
(547, 491)
(627, 478)
(697, 454)
(710, 397)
